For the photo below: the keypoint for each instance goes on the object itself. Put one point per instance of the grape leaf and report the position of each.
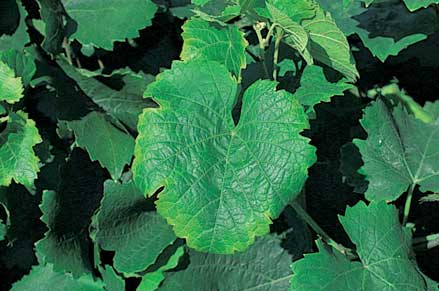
(315, 88)
(383, 247)
(18, 161)
(205, 42)
(101, 22)
(384, 30)
(67, 214)
(42, 278)
(413, 5)
(326, 42)
(20, 37)
(250, 270)
(112, 281)
(223, 183)
(21, 62)
(295, 34)
(52, 14)
(151, 281)
(124, 225)
(104, 142)
(399, 152)
(11, 88)
(124, 105)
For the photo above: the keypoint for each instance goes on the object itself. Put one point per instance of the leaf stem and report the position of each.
(408, 203)
(311, 222)
(258, 27)
(279, 35)
(426, 242)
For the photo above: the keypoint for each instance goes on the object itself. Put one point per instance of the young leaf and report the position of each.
(44, 277)
(100, 23)
(264, 266)
(205, 42)
(223, 183)
(18, 161)
(314, 88)
(400, 152)
(67, 214)
(124, 224)
(104, 142)
(11, 88)
(383, 247)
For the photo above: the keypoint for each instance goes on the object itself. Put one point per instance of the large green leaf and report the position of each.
(43, 278)
(383, 247)
(18, 161)
(399, 152)
(205, 42)
(315, 88)
(11, 88)
(126, 225)
(104, 142)
(101, 22)
(67, 214)
(223, 183)
(264, 266)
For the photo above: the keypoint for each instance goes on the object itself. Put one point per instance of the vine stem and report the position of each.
(279, 35)
(408, 203)
(311, 222)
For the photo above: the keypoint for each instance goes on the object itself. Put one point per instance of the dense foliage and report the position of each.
(219, 145)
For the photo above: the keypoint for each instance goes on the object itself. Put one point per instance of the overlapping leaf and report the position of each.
(205, 42)
(44, 277)
(11, 88)
(400, 152)
(383, 247)
(104, 142)
(101, 22)
(67, 214)
(21, 62)
(223, 183)
(126, 225)
(20, 37)
(251, 270)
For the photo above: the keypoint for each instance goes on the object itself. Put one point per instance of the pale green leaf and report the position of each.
(413, 5)
(101, 22)
(104, 142)
(125, 224)
(18, 161)
(21, 62)
(264, 266)
(11, 87)
(383, 247)
(112, 281)
(43, 278)
(399, 152)
(201, 41)
(223, 183)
